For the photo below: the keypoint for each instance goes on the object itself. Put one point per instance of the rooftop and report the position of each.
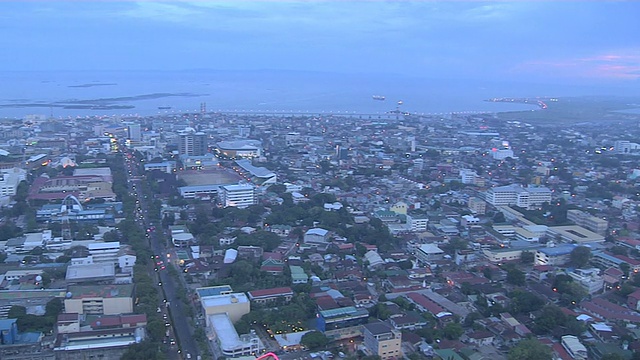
(102, 291)
(281, 291)
(220, 300)
(213, 291)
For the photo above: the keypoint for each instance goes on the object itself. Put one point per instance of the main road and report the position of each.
(187, 346)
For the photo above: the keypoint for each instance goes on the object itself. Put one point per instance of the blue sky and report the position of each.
(540, 41)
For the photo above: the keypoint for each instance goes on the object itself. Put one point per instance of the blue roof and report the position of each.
(29, 337)
(213, 291)
(559, 250)
(606, 256)
(5, 324)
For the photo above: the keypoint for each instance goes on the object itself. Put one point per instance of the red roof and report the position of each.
(119, 320)
(272, 255)
(425, 303)
(267, 293)
(628, 260)
(64, 317)
(635, 294)
(562, 353)
(543, 268)
(610, 311)
(272, 268)
(347, 246)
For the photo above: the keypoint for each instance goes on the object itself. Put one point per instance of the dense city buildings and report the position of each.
(414, 235)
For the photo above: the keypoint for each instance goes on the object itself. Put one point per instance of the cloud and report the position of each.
(173, 12)
(613, 65)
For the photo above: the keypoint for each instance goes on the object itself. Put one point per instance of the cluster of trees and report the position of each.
(245, 276)
(312, 212)
(30, 322)
(580, 256)
(524, 302)
(280, 319)
(570, 292)
(265, 239)
(9, 230)
(554, 213)
(514, 275)
(552, 321)
(314, 340)
(530, 349)
(306, 213)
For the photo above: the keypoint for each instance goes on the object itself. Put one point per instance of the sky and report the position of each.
(539, 41)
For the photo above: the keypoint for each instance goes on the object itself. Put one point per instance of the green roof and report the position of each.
(343, 311)
(448, 354)
(298, 270)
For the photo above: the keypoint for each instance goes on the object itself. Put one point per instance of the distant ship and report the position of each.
(164, 107)
(379, 97)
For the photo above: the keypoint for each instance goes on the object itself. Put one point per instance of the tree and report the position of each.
(612, 356)
(487, 272)
(527, 257)
(499, 218)
(515, 277)
(530, 349)
(580, 256)
(524, 302)
(625, 268)
(405, 264)
(453, 331)
(314, 340)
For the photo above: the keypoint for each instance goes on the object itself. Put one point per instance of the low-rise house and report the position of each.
(480, 338)
(633, 300)
(272, 266)
(264, 296)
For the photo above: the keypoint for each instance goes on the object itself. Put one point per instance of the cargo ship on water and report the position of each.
(379, 97)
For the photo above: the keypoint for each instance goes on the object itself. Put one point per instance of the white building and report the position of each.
(104, 251)
(240, 196)
(316, 235)
(9, 181)
(527, 198)
(502, 152)
(589, 279)
(593, 223)
(467, 176)
(417, 223)
(574, 347)
(625, 147)
(429, 252)
(166, 166)
(224, 334)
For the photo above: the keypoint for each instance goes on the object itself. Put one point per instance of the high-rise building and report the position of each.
(135, 132)
(192, 143)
